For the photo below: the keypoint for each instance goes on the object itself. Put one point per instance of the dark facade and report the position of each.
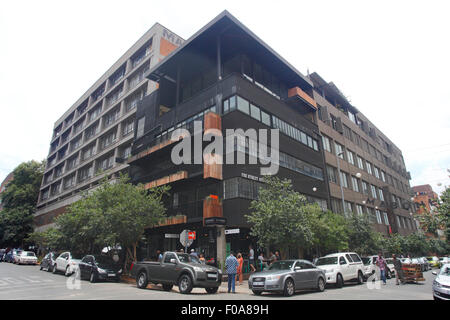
(224, 77)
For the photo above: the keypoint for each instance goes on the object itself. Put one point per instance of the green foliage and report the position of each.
(362, 238)
(330, 232)
(280, 216)
(19, 203)
(444, 213)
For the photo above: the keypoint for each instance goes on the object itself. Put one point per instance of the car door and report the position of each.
(299, 275)
(84, 267)
(344, 268)
(167, 271)
(352, 268)
(62, 261)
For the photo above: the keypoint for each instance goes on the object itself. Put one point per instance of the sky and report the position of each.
(390, 58)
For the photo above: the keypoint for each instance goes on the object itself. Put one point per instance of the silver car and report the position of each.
(287, 276)
(441, 284)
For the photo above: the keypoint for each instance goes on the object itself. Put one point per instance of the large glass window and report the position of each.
(140, 127)
(243, 105)
(254, 112)
(265, 118)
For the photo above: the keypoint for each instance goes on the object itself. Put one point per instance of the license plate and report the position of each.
(258, 283)
(111, 274)
(213, 276)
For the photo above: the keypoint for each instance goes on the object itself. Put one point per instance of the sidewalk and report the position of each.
(243, 288)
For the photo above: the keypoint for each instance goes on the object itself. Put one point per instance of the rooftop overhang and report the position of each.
(234, 38)
(331, 91)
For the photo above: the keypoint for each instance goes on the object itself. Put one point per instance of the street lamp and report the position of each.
(314, 189)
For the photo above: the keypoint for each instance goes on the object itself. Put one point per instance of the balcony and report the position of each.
(298, 94)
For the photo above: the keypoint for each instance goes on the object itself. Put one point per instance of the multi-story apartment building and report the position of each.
(425, 198)
(224, 77)
(373, 179)
(91, 139)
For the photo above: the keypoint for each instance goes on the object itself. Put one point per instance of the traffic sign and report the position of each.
(184, 238)
(191, 235)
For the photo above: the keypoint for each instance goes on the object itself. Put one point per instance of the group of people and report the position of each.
(381, 263)
(234, 265)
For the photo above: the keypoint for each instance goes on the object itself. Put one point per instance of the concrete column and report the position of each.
(221, 246)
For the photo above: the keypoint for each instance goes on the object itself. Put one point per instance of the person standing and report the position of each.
(398, 270)
(251, 258)
(261, 261)
(159, 255)
(193, 253)
(202, 258)
(231, 265)
(381, 263)
(239, 275)
(272, 258)
(277, 254)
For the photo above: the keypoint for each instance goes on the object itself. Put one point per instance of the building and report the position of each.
(8, 178)
(373, 178)
(425, 198)
(224, 77)
(91, 139)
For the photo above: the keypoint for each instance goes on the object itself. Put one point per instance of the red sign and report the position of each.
(191, 235)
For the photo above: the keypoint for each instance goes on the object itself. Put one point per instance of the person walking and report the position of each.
(251, 258)
(398, 270)
(239, 275)
(381, 263)
(231, 265)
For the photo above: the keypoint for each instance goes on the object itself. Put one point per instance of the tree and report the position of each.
(115, 214)
(430, 222)
(444, 213)
(361, 236)
(19, 203)
(279, 217)
(330, 232)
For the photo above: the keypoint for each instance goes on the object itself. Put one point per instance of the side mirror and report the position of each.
(174, 261)
(297, 268)
(434, 272)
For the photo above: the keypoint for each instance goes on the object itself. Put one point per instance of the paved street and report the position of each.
(28, 282)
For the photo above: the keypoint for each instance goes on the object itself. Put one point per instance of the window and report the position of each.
(378, 214)
(355, 184)
(355, 257)
(374, 191)
(332, 174)
(254, 112)
(265, 118)
(348, 207)
(326, 143)
(243, 105)
(111, 117)
(369, 167)
(386, 220)
(128, 127)
(95, 112)
(360, 162)
(85, 173)
(380, 192)
(108, 139)
(365, 189)
(106, 163)
(339, 150)
(344, 180)
(359, 209)
(117, 76)
(140, 127)
(383, 176)
(377, 172)
(350, 157)
(91, 131)
(126, 152)
(88, 152)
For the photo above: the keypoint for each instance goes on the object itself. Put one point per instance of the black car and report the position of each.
(99, 267)
(49, 261)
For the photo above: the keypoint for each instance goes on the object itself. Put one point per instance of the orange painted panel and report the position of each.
(296, 91)
(212, 207)
(166, 47)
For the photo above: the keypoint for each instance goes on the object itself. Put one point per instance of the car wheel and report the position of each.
(93, 278)
(212, 290)
(289, 288)
(185, 284)
(257, 293)
(54, 269)
(360, 277)
(339, 281)
(167, 287)
(49, 268)
(141, 280)
(320, 285)
(40, 268)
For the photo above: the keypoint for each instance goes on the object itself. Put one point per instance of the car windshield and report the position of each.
(281, 265)
(183, 257)
(30, 254)
(445, 271)
(366, 261)
(104, 260)
(327, 260)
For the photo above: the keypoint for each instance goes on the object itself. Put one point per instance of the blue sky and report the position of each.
(391, 58)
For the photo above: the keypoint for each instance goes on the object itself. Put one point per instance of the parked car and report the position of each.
(48, 261)
(180, 269)
(66, 262)
(16, 254)
(426, 263)
(341, 267)
(441, 284)
(444, 260)
(27, 257)
(99, 267)
(287, 276)
(9, 257)
(370, 266)
(434, 262)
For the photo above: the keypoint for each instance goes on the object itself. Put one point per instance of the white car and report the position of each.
(341, 267)
(441, 284)
(370, 266)
(27, 257)
(67, 263)
(444, 260)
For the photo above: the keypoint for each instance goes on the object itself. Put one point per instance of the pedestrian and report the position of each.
(193, 253)
(381, 263)
(239, 275)
(251, 258)
(202, 258)
(398, 270)
(231, 265)
(159, 255)
(261, 261)
(272, 258)
(277, 254)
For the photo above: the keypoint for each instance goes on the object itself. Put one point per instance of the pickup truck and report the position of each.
(180, 269)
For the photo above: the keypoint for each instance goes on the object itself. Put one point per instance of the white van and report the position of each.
(342, 267)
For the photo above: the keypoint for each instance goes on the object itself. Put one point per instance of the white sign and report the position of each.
(172, 235)
(184, 239)
(231, 231)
